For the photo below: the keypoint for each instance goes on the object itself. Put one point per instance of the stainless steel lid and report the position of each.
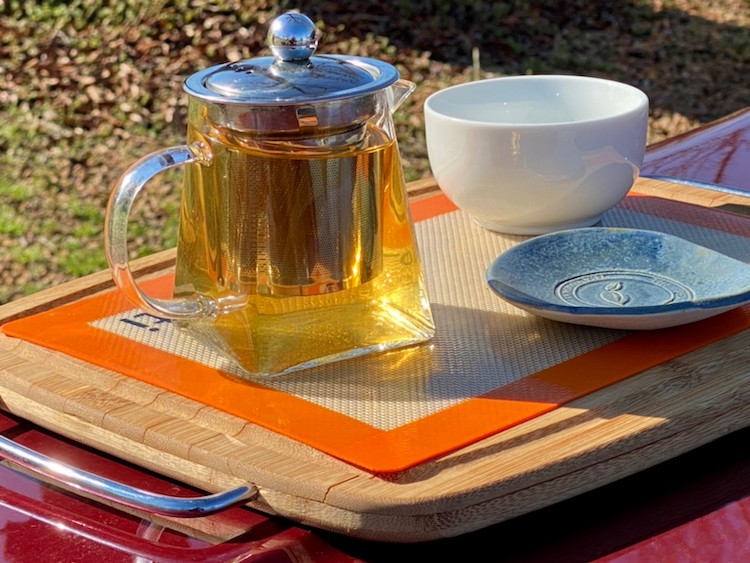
(296, 80)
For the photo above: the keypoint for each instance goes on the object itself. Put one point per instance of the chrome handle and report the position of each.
(132, 497)
(699, 184)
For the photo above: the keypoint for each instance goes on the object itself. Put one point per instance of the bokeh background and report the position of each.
(88, 86)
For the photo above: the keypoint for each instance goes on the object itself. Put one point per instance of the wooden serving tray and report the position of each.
(617, 431)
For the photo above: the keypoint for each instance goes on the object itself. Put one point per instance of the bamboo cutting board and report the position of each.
(597, 439)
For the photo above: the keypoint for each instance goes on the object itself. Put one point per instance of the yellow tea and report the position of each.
(312, 247)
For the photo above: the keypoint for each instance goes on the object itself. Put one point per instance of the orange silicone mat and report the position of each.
(490, 366)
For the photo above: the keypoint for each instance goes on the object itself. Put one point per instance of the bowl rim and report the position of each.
(641, 104)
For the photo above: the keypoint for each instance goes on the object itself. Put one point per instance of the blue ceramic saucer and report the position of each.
(619, 278)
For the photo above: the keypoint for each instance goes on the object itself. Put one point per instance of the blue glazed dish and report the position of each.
(619, 278)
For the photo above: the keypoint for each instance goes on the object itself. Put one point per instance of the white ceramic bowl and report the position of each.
(539, 153)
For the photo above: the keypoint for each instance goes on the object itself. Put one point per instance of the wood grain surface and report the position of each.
(615, 432)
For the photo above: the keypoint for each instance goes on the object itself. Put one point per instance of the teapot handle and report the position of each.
(124, 192)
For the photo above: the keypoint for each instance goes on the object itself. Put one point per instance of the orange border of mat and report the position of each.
(383, 451)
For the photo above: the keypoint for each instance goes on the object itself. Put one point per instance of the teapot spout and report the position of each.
(400, 90)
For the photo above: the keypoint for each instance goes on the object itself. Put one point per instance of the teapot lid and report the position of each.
(293, 76)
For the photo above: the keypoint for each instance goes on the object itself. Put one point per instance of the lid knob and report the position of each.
(291, 37)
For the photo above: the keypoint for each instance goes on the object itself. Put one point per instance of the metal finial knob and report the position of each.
(291, 37)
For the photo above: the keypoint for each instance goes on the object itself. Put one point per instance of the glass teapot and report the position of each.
(296, 246)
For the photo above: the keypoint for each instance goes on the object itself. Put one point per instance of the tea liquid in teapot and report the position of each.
(318, 249)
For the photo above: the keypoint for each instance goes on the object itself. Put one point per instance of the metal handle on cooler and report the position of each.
(106, 489)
